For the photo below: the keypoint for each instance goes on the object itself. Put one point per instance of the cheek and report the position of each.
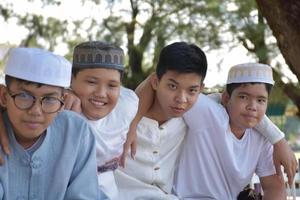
(114, 96)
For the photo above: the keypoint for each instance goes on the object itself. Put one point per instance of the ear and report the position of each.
(3, 95)
(225, 98)
(201, 87)
(154, 81)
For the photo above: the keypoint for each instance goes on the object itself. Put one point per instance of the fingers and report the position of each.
(124, 154)
(278, 169)
(133, 150)
(72, 102)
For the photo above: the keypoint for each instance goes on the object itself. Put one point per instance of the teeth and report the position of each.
(98, 103)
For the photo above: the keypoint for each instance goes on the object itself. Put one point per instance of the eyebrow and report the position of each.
(172, 80)
(260, 96)
(47, 94)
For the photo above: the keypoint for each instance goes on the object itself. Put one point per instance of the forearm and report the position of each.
(145, 93)
(269, 130)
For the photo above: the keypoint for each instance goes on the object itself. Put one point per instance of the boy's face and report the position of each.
(30, 123)
(98, 90)
(246, 106)
(176, 92)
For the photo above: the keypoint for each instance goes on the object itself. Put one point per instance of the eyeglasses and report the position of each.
(25, 101)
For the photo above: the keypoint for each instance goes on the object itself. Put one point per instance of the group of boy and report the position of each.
(188, 146)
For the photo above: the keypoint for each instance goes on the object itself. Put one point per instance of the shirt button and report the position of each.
(156, 168)
(161, 128)
(155, 152)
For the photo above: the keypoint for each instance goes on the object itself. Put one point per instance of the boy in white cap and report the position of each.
(97, 71)
(222, 149)
(52, 153)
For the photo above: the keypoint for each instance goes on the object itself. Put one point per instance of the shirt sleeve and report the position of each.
(265, 166)
(83, 181)
(269, 130)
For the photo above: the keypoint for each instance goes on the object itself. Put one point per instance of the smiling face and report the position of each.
(98, 90)
(175, 94)
(28, 124)
(246, 106)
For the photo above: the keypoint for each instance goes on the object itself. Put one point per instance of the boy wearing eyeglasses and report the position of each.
(52, 153)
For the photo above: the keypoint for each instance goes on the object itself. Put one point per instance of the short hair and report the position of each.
(10, 79)
(232, 86)
(183, 58)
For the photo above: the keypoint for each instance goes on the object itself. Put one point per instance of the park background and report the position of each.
(229, 31)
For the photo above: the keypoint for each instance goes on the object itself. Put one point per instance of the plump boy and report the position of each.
(52, 152)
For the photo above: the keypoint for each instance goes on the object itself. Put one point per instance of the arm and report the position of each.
(145, 93)
(273, 187)
(283, 154)
(3, 134)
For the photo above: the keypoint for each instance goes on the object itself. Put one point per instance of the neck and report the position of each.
(238, 132)
(156, 113)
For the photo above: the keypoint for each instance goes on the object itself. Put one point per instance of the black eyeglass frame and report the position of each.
(41, 99)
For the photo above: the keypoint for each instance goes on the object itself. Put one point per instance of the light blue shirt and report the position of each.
(62, 167)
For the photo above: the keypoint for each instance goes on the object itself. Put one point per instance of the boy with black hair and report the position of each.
(178, 82)
(222, 149)
(52, 153)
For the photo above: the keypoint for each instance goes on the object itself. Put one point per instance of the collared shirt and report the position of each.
(111, 132)
(62, 167)
(214, 164)
(150, 175)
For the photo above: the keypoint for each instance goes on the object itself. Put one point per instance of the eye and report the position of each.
(91, 82)
(193, 90)
(24, 96)
(50, 100)
(242, 97)
(172, 86)
(262, 101)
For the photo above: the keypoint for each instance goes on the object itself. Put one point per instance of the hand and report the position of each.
(283, 155)
(72, 102)
(129, 144)
(3, 139)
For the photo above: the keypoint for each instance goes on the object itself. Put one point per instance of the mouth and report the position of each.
(177, 109)
(32, 124)
(250, 117)
(97, 103)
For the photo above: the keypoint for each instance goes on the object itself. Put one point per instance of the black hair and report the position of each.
(232, 86)
(182, 57)
(10, 79)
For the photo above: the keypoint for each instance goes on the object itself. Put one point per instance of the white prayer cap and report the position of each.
(250, 72)
(38, 65)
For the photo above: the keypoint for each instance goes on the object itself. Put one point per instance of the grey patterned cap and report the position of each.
(96, 54)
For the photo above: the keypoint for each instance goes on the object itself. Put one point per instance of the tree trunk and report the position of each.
(283, 18)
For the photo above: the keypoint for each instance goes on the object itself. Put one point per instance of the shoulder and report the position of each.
(68, 121)
(127, 103)
(128, 99)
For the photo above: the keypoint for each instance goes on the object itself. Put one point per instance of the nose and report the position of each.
(251, 105)
(100, 92)
(181, 97)
(36, 108)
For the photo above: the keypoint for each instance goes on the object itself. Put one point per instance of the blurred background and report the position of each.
(229, 31)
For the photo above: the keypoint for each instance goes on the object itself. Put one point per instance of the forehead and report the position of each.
(34, 88)
(252, 88)
(100, 73)
(182, 78)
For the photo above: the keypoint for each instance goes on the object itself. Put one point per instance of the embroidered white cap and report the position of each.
(250, 72)
(38, 65)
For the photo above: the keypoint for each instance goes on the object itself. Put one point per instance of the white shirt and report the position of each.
(215, 164)
(151, 174)
(110, 133)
